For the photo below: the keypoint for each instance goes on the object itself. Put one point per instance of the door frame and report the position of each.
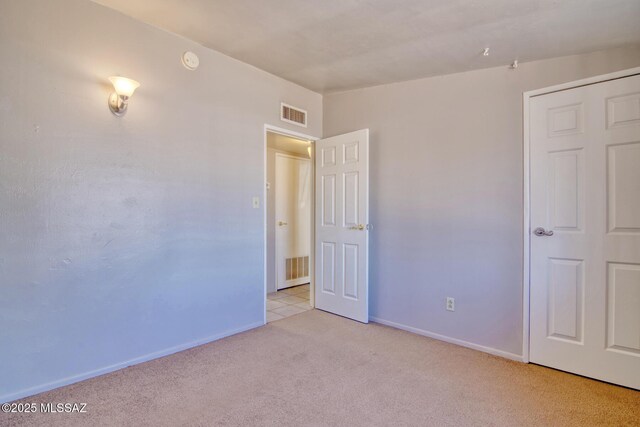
(286, 132)
(526, 251)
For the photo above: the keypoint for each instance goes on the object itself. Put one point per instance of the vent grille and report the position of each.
(293, 115)
(297, 267)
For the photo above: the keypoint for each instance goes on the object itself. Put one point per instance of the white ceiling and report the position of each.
(333, 45)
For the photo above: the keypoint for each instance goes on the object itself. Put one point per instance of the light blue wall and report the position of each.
(124, 238)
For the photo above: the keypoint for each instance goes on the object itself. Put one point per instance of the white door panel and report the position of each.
(585, 189)
(342, 231)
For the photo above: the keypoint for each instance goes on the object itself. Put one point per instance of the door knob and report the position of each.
(359, 227)
(542, 232)
(281, 223)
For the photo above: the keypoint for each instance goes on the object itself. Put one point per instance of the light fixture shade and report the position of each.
(124, 86)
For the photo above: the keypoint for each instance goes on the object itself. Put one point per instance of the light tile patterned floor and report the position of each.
(287, 302)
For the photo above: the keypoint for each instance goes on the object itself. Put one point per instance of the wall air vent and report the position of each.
(293, 115)
(297, 267)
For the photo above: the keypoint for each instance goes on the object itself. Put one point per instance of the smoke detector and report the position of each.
(190, 60)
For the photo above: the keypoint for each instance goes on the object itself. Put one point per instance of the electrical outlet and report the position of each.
(451, 304)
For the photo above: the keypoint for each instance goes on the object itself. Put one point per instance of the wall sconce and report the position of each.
(119, 100)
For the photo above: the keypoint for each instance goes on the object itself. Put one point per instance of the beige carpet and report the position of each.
(318, 369)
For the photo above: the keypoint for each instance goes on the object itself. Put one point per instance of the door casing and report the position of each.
(526, 253)
(286, 132)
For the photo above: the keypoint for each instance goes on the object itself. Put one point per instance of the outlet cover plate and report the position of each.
(451, 304)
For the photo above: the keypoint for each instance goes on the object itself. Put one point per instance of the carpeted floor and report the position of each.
(318, 369)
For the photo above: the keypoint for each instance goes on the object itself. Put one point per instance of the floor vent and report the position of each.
(297, 267)
(293, 115)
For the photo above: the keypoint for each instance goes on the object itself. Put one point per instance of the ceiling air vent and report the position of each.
(293, 115)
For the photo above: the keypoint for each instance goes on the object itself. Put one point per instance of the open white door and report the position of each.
(585, 221)
(342, 225)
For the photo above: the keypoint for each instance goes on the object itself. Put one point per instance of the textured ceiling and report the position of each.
(333, 45)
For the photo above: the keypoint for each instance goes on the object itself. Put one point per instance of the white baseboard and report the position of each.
(450, 340)
(101, 371)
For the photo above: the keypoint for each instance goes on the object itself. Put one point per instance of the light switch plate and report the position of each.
(256, 202)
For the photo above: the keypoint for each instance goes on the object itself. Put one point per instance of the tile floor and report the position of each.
(287, 302)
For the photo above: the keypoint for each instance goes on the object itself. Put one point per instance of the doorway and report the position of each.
(336, 271)
(289, 212)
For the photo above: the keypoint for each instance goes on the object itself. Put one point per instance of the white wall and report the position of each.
(124, 238)
(446, 193)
